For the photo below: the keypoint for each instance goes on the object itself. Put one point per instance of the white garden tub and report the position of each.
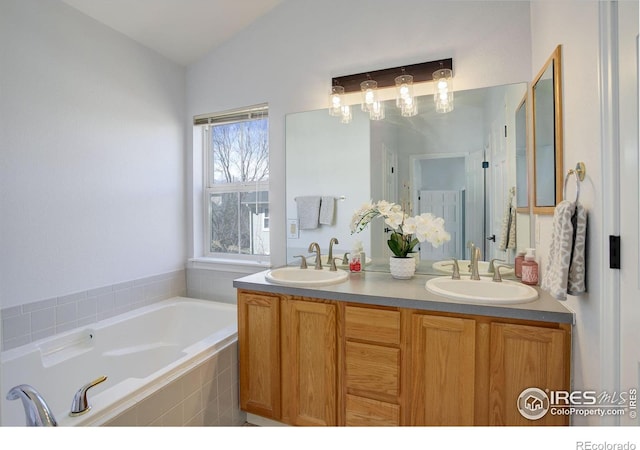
(141, 353)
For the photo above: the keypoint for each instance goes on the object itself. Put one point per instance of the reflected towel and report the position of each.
(556, 276)
(508, 235)
(327, 208)
(308, 211)
(578, 267)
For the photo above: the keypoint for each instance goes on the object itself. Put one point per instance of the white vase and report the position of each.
(402, 268)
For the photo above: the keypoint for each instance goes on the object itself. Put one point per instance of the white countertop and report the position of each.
(378, 288)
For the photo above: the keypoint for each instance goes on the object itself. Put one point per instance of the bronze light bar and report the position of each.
(386, 77)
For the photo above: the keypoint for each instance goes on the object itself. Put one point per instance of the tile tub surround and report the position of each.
(208, 395)
(32, 321)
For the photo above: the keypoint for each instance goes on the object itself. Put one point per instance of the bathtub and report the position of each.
(170, 363)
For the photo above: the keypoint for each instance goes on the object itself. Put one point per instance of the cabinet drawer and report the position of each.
(371, 368)
(362, 412)
(375, 325)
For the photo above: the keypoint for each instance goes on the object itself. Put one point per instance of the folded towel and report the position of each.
(327, 207)
(556, 276)
(308, 211)
(578, 267)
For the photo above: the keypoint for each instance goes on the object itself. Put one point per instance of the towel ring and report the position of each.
(579, 172)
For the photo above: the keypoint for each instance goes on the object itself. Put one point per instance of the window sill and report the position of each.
(227, 265)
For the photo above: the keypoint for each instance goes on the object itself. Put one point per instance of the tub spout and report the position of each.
(35, 408)
(80, 404)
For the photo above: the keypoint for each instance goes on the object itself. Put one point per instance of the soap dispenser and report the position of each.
(530, 268)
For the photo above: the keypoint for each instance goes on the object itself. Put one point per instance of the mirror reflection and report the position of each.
(460, 165)
(547, 136)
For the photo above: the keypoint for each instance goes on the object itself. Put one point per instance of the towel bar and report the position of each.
(579, 172)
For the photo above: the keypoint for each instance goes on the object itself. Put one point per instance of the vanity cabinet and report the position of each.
(372, 366)
(442, 368)
(524, 356)
(309, 343)
(307, 361)
(259, 353)
(287, 348)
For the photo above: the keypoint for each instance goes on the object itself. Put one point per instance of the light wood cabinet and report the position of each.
(306, 361)
(309, 362)
(372, 366)
(442, 369)
(259, 353)
(523, 357)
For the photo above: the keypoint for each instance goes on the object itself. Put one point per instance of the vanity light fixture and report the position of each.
(403, 78)
(345, 114)
(369, 94)
(336, 101)
(443, 90)
(405, 99)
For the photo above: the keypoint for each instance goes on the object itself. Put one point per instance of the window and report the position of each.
(236, 183)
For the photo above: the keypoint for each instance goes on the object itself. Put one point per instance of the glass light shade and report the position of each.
(335, 101)
(369, 94)
(377, 111)
(345, 114)
(409, 107)
(404, 96)
(443, 90)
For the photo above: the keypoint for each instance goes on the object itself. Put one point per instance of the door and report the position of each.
(498, 186)
(526, 358)
(309, 363)
(629, 187)
(442, 372)
(259, 353)
(448, 205)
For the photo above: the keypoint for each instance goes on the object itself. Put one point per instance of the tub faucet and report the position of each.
(315, 247)
(36, 409)
(80, 404)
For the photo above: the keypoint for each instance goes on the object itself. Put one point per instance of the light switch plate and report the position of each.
(293, 231)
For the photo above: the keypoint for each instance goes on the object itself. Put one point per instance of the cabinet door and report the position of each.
(442, 371)
(309, 362)
(524, 357)
(259, 353)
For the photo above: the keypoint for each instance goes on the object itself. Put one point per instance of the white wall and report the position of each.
(574, 25)
(289, 57)
(92, 166)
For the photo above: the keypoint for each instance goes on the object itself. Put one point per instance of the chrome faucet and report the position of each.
(37, 411)
(315, 247)
(80, 404)
(475, 257)
(331, 242)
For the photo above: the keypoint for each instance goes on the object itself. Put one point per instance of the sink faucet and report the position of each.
(315, 247)
(475, 257)
(331, 242)
(36, 409)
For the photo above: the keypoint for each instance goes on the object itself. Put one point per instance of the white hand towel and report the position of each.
(556, 276)
(327, 207)
(578, 267)
(308, 211)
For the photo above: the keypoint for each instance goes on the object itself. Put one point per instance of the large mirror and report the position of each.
(547, 136)
(461, 165)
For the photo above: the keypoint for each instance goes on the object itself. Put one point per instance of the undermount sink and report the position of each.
(484, 290)
(294, 276)
(464, 264)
